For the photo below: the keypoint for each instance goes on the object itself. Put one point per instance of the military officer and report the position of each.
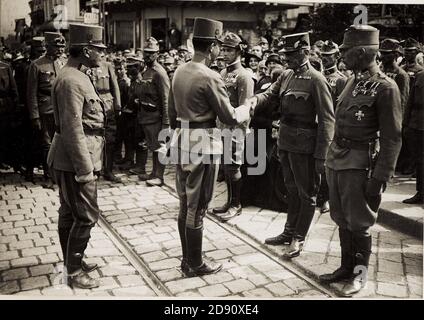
(411, 48)
(8, 102)
(198, 95)
(108, 88)
(76, 153)
(391, 50)
(41, 75)
(153, 110)
(306, 129)
(414, 133)
(330, 54)
(38, 47)
(240, 85)
(368, 118)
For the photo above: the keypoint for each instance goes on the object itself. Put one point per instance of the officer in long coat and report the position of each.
(76, 153)
(363, 153)
(240, 85)
(306, 129)
(198, 95)
(41, 75)
(153, 110)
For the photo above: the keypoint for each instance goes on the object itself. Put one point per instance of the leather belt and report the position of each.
(353, 144)
(198, 125)
(88, 131)
(298, 124)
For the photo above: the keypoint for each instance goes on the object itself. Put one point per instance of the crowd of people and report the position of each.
(334, 118)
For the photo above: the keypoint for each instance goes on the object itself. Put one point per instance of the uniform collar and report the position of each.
(367, 74)
(331, 70)
(303, 67)
(235, 65)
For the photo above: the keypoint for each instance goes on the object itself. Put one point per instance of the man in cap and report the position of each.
(8, 101)
(182, 52)
(414, 134)
(263, 43)
(330, 54)
(41, 75)
(368, 118)
(220, 63)
(135, 137)
(306, 129)
(38, 47)
(169, 64)
(411, 48)
(240, 85)
(198, 95)
(153, 111)
(76, 153)
(107, 86)
(390, 51)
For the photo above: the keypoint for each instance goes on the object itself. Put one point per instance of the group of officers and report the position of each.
(336, 133)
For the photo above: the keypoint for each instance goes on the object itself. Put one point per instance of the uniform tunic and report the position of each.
(368, 110)
(306, 111)
(402, 80)
(198, 95)
(336, 80)
(153, 110)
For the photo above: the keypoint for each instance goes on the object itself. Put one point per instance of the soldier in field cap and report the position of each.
(362, 155)
(240, 85)
(198, 96)
(306, 106)
(411, 48)
(76, 153)
(41, 75)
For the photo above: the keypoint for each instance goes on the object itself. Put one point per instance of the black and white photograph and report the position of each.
(211, 151)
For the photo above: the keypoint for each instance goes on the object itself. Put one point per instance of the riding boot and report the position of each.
(158, 171)
(362, 250)
(235, 205)
(198, 267)
(345, 270)
(182, 232)
(140, 162)
(284, 238)
(224, 208)
(63, 240)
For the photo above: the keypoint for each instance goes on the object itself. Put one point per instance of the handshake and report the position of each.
(251, 103)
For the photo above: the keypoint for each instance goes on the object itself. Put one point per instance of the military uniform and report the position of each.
(8, 101)
(108, 89)
(76, 154)
(153, 111)
(306, 129)
(414, 133)
(198, 95)
(41, 75)
(240, 85)
(361, 158)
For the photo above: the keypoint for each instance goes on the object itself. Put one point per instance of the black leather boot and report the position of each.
(235, 206)
(108, 174)
(362, 249)
(224, 208)
(284, 238)
(140, 162)
(82, 280)
(345, 270)
(182, 232)
(198, 267)
(63, 240)
(418, 198)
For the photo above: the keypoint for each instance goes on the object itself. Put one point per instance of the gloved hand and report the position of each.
(374, 187)
(86, 178)
(319, 166)
(36, 124)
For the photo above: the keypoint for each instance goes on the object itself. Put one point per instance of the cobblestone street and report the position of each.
(144, 218)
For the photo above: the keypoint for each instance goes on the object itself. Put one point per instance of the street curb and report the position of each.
(400, 223)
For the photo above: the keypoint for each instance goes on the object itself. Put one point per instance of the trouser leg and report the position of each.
(47, 132)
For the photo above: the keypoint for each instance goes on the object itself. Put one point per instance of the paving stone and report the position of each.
(390, 267)
(392, 290)
(102, 252)
(219, 254)
(35, 282)
(154, 256)
(33, 251)
(243, 249)
(169, 274)
(216, 290)
(42, 270)
(15, 274)
(220, 277)
(117, 269)
(239, 285)
(9, 287)
(248, 259)
(178, 286)
(278, 289)
(164, 264)
(4, 265)
(147, 248)
(297, 284)
(28, 236)
(14, 231)
(24, 223)
(9, 255)
(24, 262)
(57, 291)
(258, 293)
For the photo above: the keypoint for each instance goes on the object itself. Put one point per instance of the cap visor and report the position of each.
(100, 45)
